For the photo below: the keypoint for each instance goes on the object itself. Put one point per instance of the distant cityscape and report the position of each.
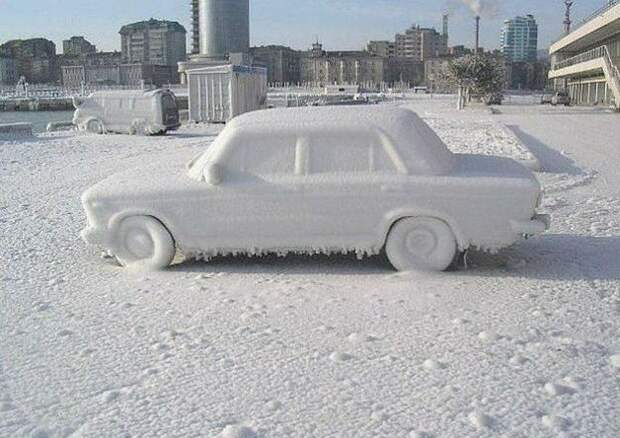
(151, 51)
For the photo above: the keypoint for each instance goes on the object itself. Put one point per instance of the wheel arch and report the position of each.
(393, 218)
(94, 119)
(116, 220)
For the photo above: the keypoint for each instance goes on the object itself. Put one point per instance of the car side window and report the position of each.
(361, 152)
(264, 155)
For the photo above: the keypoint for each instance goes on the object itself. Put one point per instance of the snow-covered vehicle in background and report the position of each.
(312, 180)
(128, 112)
(547, 97)
(561, 98)
(494, 99)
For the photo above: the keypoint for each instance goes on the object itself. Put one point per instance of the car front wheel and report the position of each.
(421, 244)
(143, 242)
(94, 126)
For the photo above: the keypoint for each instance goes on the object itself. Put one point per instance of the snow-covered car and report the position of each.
(494, 99)
(546, 98)
(318, 180)
(127, 112)
(561, 98)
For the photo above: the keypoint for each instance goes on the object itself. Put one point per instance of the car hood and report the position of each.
(152, 182)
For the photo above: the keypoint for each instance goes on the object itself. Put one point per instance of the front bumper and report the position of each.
(92, 236)
(537, 225)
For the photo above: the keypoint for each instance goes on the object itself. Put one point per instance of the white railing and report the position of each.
(590, 55)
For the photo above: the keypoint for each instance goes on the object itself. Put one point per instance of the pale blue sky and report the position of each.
(340, 24)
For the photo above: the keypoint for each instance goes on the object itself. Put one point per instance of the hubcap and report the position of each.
(421, 242)
(139, 243)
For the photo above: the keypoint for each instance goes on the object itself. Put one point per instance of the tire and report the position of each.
(137, 128)
(421, 244)
(94, 126)
(143, 242)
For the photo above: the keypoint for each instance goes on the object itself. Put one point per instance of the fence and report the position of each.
(57, 92)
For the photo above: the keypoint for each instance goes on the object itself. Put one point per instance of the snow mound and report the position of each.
(339, 356)
(433, 365)
(480, 420)
(233, 431)
(556, 422)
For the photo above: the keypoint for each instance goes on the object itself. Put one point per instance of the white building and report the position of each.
(587, 60)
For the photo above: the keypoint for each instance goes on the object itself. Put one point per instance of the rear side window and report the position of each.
(359, 152)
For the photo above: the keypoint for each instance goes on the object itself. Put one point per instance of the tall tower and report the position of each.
(444, 35)
(567, 20)
(224, 27)
(477, 33)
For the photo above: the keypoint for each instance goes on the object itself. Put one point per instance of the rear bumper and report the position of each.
(537, 225)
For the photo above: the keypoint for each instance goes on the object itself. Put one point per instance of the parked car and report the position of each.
(546, 98)
(128, 112)
(494, 99)
(561, 98)
(320, 179)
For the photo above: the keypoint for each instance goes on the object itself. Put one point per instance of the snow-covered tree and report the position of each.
(475, 75)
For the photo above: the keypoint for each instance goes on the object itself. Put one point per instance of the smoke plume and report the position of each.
(483, 8)
(475, 6)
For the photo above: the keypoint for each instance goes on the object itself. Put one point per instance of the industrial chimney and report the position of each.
(477, 33)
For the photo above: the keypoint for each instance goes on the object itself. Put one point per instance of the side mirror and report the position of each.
(213, 174)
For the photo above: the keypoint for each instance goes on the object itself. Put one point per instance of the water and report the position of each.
(39, 119)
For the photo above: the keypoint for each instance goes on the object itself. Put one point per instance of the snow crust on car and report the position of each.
(408, 140)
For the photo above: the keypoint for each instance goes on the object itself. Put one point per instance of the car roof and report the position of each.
(127, 94)
(418, 145)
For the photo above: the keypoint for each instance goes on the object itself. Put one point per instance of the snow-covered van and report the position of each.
(128, 112)
(322, 179)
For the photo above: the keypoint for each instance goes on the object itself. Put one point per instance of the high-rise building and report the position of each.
(77, 46)
(421, 43)
(154, 42)
(519, 40)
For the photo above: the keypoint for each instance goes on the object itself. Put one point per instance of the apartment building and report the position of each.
(77, 46)
(153, 42)
(421, 43)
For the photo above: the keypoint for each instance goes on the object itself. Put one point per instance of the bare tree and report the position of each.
(478, 75)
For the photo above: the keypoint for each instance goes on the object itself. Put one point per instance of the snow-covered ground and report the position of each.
(522, 344)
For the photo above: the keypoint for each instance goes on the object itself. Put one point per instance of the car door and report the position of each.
(257, 205)
(348, 174)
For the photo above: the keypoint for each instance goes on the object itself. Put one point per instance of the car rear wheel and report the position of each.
(94, 126)
(421, 244)
(145, 243)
